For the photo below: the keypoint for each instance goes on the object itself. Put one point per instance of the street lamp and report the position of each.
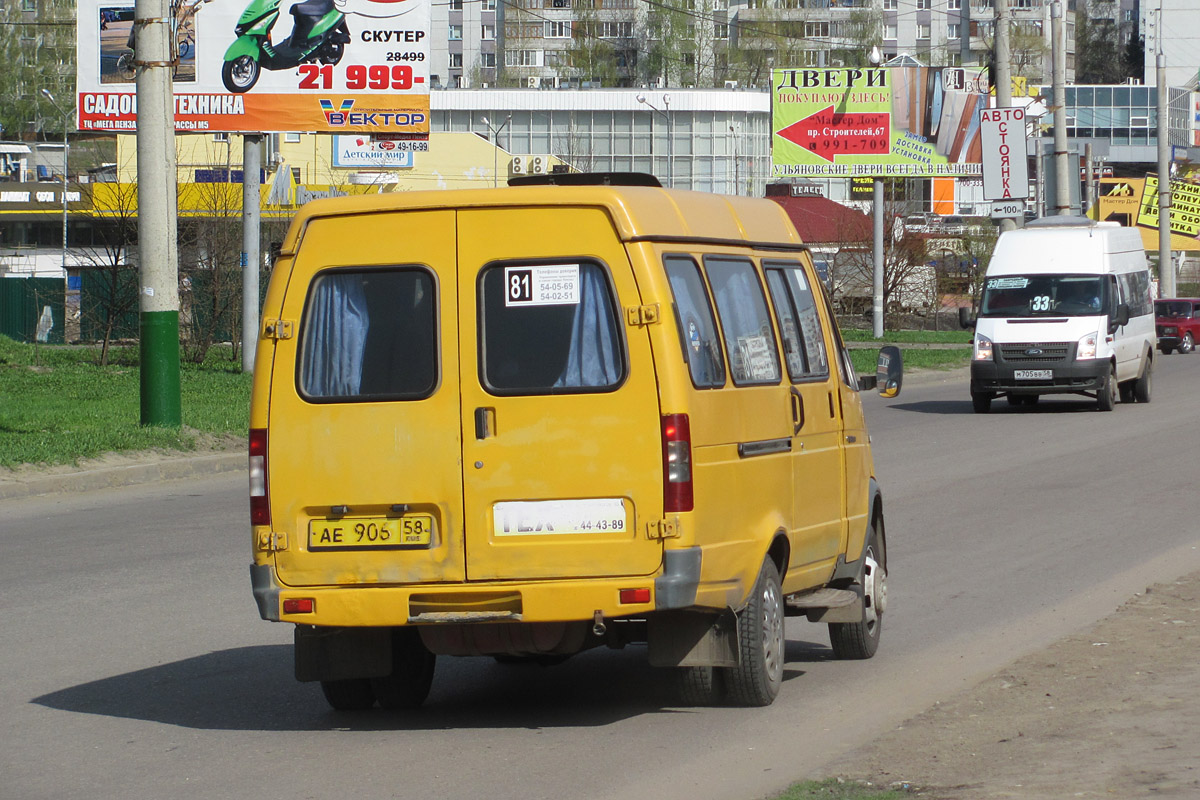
(496, 145)
(876, 59)
(53, 102)
(666, 112)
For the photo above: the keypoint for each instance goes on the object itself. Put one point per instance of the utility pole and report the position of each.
(1166, 268)
(251, 246)
(877, 307)
(1062, 169)
(1003, 79)
(157, 232)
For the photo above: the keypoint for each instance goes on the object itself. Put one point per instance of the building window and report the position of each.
(954, 30)
(556, 29)
(720, 30)
(889, 31)
(814, 29)
(221, 137)
(487, 60)
(29, 5)
(923, 5)
(296, 174)
(455, 33)
(890, 5)
(812, 58)
(291, 138)
(922, 30)
(954, 5)
(456, 5)
(487, 32)
(522, 58)
(456, 60)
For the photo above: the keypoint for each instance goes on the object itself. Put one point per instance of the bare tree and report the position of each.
(110, 277)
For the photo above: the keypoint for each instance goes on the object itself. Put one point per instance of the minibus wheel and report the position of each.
(1141, 387)
(700, 686)
(1106, 396)
(756, 679)
(858, 640)
(412, 672)
(354, 694)
(981, 402)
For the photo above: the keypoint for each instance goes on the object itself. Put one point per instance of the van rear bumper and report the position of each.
(1068, 377)
(432, 604)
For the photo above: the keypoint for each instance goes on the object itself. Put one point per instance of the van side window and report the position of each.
(369, 335)
(745, 323)
(694, 318)
(549, 329)
(803, 340)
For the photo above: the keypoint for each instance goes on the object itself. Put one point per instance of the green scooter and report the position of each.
(319, 33)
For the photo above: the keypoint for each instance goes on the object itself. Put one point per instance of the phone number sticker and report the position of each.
(548, 285)
(549, 517)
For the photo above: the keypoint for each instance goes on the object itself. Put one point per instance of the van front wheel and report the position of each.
(981, 402)
(756, 679)
(858, 640)
(1106, 396)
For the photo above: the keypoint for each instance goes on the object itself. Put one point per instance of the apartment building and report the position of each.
(722, 43)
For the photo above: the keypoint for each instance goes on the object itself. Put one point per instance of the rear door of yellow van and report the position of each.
(561, 452)
(365, 426)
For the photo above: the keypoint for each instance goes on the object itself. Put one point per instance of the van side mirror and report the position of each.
(889, 371)
(1119, 319)
(966, 319)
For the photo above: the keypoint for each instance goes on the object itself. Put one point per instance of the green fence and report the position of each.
(23, 301)
(97, 303)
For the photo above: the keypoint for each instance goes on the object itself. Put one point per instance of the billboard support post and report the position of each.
(158, 265)
(877, 271)
(1166, 268)
(251, 245)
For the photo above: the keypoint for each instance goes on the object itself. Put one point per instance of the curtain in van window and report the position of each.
(335, 335)
(592, 358)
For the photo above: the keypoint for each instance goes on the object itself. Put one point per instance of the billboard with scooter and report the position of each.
(333, 66)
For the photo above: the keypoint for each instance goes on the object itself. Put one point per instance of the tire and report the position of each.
(1106, 395)
(240, 74)
(981, 402)
(1126, 391)
(1188, 344)
(412, 672)
(1015, 400)
(125, 66)
(755, 681)
(859, 640)
(700, 686)
(349, 695)
(1032, 399)
(1142, 386)
(332, 53)
(1166, 351)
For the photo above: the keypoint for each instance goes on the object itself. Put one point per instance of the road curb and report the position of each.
(109, 477)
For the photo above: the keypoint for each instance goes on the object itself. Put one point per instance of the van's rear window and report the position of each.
(549, 329)
(369, 335)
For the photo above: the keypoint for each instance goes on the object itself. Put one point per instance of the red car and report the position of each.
(1177, 322)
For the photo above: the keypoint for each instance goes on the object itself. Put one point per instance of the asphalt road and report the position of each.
(135, 666)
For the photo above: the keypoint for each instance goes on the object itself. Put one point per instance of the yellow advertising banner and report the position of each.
(1185, 207)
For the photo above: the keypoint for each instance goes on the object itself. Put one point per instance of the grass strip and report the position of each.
(57, 406)
(839, 789)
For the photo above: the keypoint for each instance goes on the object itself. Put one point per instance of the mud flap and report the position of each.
(693, 639)
(336, 654)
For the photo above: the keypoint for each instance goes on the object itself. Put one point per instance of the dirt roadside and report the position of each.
(1113, 712)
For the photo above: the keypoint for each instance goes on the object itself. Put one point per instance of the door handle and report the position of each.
(484, 422)
(797, 411)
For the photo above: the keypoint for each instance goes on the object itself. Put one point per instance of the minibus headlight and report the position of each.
(1087, 347)
(983, 348)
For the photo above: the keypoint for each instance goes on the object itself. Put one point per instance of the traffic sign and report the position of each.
(1005, 169)
(1002, 209)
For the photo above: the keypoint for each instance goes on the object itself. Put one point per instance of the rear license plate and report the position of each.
(1033, 374)
(373, 533)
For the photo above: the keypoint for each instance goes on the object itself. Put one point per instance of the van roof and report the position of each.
(639, 213)
(1070, 245)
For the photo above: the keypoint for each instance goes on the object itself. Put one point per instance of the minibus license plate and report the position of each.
(1034, 374)
(383, 533)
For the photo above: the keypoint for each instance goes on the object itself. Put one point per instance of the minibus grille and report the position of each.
(1035, 352)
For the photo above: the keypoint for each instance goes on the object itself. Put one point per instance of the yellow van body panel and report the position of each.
(460, 452)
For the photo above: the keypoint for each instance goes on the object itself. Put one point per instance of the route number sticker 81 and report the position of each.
(548, 285)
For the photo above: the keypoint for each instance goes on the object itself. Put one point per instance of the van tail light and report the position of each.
(677, 463)
(260, 508)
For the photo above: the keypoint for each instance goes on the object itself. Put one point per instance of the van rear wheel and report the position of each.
(981, 402)
(755, 681)
(700, 686)
(412, 672)
(1141, 387)
(354, 694)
